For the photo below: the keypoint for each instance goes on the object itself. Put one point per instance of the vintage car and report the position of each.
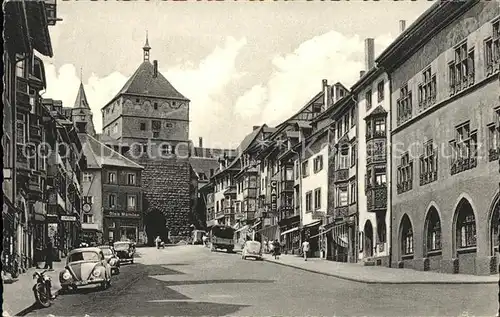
(85, 266)
(125, 251)
(252, 249)
(111, 257)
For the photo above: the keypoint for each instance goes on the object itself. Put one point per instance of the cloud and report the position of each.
(203, 84)
(297, 76)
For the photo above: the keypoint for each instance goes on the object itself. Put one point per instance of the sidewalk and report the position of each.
(376, 274)
(18, 293)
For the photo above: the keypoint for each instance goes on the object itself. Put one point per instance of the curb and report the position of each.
(358, 280)
(32, 307)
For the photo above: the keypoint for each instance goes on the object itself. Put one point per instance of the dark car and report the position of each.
(111, 257)
(125, 251)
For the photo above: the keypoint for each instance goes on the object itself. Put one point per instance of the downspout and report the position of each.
(389, 162)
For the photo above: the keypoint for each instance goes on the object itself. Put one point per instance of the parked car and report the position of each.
(125, 251)
(252, 249)
(85, 266)
(111, 257)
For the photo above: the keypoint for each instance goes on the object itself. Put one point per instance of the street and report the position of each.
(192, 281)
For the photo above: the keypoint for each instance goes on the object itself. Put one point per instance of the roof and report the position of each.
(99, 155)
(203, 165)
(142, 82)
(81, 99)
(377, 111)
(213, 153)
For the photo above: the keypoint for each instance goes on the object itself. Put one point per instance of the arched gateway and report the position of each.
(155, 226)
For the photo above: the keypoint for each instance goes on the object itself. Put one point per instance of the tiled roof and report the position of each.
(142, 82)
(99, 155)
(81, 99)
(203, 165)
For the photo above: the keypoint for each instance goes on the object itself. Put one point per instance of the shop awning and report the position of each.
(243, 228)
(256, 224)
(290, 230)
(322, 232)
(312, 224)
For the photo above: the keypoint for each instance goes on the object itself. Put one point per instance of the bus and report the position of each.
(222, 237)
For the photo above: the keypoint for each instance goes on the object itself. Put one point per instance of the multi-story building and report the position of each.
(81, 114)
(148, 121)
(373, 115)
(443, 72)
(24, 78)
(334, 143)
(64, 177)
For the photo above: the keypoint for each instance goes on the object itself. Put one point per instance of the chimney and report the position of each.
(200, 142)
(369, 54)
(155, 68)
(325, 93)
(402, 26)
(361, 73)
(255, 127)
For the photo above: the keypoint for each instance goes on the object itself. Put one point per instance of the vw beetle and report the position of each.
(111, 257)
(85, 266)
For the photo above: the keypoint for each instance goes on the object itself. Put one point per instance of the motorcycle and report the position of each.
(42, 289)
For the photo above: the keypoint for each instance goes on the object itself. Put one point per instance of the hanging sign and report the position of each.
(274, 196)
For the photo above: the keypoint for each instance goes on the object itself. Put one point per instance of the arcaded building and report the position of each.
(444, 132)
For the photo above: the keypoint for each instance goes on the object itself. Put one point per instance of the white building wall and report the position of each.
(364, 215)
(312, 182)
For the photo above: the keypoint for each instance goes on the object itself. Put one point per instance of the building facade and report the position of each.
(444, 130)
(26, 31)
(148, 121)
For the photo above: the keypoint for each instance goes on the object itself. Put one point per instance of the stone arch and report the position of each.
(406, 236)
(464, 224)
(432, 229)
(156, 225)
(494, 223)
(368, 240)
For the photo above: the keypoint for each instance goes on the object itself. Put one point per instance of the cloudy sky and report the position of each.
(240, 63)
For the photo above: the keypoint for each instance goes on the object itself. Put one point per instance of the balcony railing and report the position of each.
(341, 175)
(376, 198)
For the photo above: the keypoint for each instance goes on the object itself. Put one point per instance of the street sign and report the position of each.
(68, 218)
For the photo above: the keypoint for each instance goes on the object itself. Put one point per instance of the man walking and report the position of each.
(305, 249)
(49, 256)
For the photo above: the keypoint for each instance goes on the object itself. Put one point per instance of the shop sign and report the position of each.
(122, 214)
(274, 196)
(68, 218)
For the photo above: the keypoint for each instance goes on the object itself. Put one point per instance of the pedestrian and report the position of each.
(38, 253)
(205, 240)
(49, 253)
(305, 249)
(276, 249)
(157, 242)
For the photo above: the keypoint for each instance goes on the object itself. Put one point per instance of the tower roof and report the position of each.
(143, 82)
(81, 98)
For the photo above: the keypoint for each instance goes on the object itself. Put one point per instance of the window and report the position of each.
(131, 179)
(380, 176)
(407, 237)
(88, 218)
(471, 67)
(137, 100)
(131, 202)
(459, 69)
(21, 136)
(112, 200)
(428, 164)
(317, 198)
(404, 105)
(308, 201)
(342, 199)
(88, 200)
(346, 122)
(353, 154)
(492, 49)
(343, 157)
(466, 227)
(405, 174)
(427, 90)
(155, 105)
(87, 177)
(380, 91)
(494, 138)
(352, 195)
(143, 126)
(21, 68)
(156, 134)
(464, 149)
(305, 169)
(433, 232)
(166, 149)
(379, 127)
(111, 177)
(368, 99)
(353, 117)
(318, 163)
